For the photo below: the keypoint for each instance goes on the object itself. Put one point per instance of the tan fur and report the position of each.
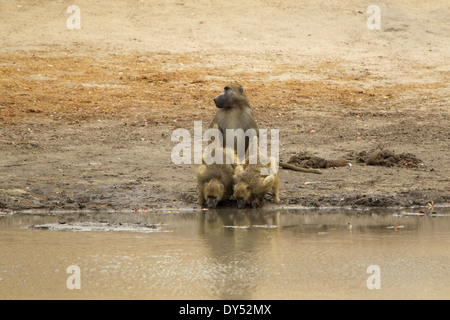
(234, 112)
(250, 186)
(214, 183)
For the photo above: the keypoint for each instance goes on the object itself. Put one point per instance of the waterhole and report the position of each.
(226, 254)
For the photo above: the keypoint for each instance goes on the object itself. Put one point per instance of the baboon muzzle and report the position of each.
(240, 203)
(219, 101)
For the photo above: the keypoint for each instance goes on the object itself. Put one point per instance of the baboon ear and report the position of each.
(241, 89)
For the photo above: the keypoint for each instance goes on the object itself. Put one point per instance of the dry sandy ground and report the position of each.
(87, 115)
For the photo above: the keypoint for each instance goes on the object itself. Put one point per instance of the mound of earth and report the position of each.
(388, 158)
(306, 160)
(376, 157)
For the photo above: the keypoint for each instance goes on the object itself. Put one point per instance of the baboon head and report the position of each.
(242, 193)
(213, 192)
(257, 202)
(233, 95)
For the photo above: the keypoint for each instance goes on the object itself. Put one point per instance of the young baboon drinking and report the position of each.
(235, 113)
(215, 180)
(250, 186)
(214, 183)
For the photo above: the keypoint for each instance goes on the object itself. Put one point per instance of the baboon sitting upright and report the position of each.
(235, 113)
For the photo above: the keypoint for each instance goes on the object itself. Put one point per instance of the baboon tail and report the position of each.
(285, 165)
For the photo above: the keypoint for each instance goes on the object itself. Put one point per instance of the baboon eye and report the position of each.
(248, 187)
(227, 88)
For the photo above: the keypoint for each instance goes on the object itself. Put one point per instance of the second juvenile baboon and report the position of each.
(235, 113)
(250, 186)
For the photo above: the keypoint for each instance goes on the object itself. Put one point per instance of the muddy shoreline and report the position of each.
(106, 165)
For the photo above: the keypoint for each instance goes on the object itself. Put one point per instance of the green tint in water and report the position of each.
(228, 254)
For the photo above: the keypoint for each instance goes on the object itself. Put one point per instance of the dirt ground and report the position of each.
(87, 115)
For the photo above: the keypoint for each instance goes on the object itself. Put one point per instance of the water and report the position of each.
(227, 254)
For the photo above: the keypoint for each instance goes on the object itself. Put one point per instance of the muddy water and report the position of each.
(224, 254)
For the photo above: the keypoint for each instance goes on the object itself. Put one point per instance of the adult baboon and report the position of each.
(235, 113)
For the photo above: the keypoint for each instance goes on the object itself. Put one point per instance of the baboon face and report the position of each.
(229, 96)
(214, 191)
(240, 203)
(257, 202)
(211, 202)
(242, 193)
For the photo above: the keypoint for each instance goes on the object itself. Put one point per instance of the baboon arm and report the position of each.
(214, 124)
(269, 181)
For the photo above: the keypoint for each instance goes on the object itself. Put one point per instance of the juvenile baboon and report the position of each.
(214, 183)
(250, 186)
(235, 113)
(215, 180)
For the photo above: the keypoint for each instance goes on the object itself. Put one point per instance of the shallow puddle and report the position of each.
(226, 254)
